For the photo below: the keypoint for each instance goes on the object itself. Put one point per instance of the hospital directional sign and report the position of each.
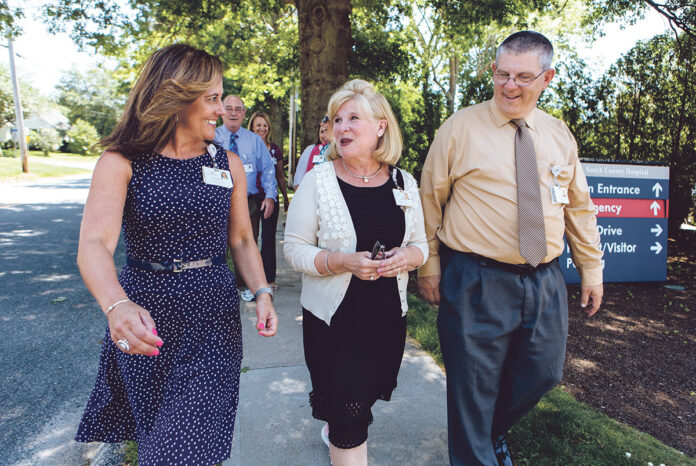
(635, 249)
(632, 208)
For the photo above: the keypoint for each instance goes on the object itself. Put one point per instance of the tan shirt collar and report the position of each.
(501, 120)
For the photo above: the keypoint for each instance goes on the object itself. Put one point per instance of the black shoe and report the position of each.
(502, 452)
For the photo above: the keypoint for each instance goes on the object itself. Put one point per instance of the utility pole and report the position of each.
(292, 118)
(18, 111)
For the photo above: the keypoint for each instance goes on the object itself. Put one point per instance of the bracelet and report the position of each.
(326, 263)
(111, 308)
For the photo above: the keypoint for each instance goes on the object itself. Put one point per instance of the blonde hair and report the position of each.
(264, 115)
(377, 108)
(170, 80)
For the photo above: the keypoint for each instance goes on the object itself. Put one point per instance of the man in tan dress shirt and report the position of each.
(503, 319)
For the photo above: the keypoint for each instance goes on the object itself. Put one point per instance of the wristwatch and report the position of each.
(260, 291)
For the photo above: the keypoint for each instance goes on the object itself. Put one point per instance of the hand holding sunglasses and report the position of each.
(377, 251)
(393, 262)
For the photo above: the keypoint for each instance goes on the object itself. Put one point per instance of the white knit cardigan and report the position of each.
(318, 218)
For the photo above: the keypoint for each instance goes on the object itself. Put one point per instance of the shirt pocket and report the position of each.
(564, 177)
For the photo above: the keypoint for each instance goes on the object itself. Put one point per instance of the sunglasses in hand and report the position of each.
(377, 250)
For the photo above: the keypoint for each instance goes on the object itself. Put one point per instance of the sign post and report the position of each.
(632, 208)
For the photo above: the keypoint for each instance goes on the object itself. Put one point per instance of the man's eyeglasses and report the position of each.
(522, 80)
(234, 109)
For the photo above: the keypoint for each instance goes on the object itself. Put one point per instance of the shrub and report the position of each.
(82, 138)
(45, 139)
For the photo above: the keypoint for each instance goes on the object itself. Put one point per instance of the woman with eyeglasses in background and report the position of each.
(260, 123)
(354, 302)
(312, 155)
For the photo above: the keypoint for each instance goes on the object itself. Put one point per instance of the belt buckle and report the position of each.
(177, 266)
(528, 268)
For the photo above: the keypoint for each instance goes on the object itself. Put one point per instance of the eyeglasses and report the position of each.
(522, 80)
(234, 109)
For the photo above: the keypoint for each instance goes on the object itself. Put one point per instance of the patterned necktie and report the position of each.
(530, 213)
(233, 143)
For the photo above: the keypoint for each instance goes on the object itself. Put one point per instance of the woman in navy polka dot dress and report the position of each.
(169, 369)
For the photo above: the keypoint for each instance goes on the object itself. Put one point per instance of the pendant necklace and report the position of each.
(365, 178)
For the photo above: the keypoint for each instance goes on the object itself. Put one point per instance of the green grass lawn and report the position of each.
(11, 168)
(560, 430)
(67, 156)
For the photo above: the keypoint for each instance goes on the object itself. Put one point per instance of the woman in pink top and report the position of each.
(307, 159)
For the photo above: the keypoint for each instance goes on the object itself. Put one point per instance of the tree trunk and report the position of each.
(277, 122)
(453, 76)
(619, 128)
(680, 198)
(325, 41)
(635, 123)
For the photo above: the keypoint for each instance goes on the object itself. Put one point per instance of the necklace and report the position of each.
(365, 178)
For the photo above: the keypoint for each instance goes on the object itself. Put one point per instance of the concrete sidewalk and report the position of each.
(274, 422)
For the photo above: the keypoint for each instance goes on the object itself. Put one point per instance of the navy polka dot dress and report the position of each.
(179, 406)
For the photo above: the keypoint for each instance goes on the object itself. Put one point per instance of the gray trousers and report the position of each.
(503, 337)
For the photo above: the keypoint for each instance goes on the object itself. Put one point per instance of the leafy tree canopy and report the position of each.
(681, 14)
(95, 96)
(33, 103)
(8, 20)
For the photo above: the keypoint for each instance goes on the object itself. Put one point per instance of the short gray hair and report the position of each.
(528, 42)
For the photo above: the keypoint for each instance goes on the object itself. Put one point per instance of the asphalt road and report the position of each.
(50, 326)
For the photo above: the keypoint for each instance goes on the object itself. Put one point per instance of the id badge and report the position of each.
(402, 198)
(248, 168)
(559, 195)
(217, 177)
(317, 159)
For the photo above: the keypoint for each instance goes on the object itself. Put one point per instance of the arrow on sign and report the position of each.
(657, 230)
(657, 188)
(657, 248)
(655, 207)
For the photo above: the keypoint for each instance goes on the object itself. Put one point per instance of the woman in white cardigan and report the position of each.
(354, 307)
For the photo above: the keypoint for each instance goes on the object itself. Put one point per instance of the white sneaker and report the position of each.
(325, 434)
(247, 295)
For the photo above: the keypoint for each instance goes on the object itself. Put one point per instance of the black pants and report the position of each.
(268, 243)
(254, 202)
(503, 337)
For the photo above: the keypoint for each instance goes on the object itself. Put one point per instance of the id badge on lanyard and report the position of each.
(214, 175)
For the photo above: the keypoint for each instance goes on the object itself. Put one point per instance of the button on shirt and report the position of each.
(469, 191)
(252, 151)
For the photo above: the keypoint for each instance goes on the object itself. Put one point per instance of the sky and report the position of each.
(42, 57)
(603, 52)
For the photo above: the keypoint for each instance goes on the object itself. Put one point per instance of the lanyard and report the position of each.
(212, 150)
